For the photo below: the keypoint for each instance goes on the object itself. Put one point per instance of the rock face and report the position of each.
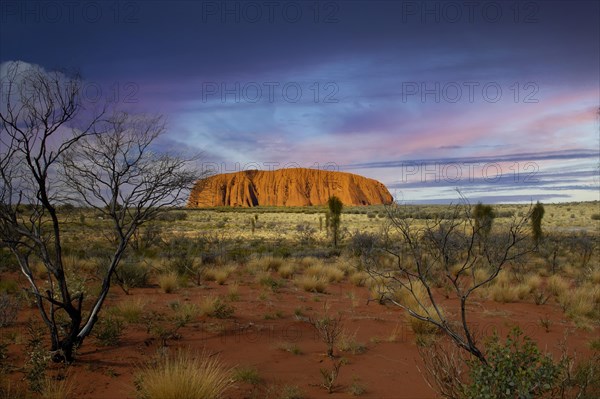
(287, 187)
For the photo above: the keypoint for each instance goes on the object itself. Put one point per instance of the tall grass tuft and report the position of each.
(184, 376)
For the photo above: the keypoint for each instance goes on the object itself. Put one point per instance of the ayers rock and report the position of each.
(287, 187)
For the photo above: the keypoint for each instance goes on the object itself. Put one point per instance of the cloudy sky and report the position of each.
(497, 98)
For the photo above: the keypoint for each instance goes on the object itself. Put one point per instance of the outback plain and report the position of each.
(281, 312)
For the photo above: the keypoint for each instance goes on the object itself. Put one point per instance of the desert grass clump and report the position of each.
(233, 292)
(183, 376)
(582, 302)
(506, 290)
(248, 375)
(168, 282)
(130, 310)
(214, 306)
(311, 283)
(359, 278)
(348, 343)
(557, 285)
(329, 272)
(218, 274)
(55, 388)
(287, 270)
(267, 263)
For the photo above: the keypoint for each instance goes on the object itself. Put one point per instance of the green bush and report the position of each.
(108, 330)
(514, 369)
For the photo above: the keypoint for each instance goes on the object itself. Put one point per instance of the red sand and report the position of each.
(386, 369)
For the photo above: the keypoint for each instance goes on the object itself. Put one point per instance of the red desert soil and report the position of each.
(389, 368)
(287, 187)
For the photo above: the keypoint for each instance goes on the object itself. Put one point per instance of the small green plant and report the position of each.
(108, 330)
(38, 357)
(9, 307)
(513, 369)
(546, 323)
(247, 374)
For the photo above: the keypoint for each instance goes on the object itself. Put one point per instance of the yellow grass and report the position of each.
(184, 376)
(131, 310)
(287, 270)
(57, 389)
(557, 285)
(359, 279)
(267, 263)
(311, 283)
(168, 282)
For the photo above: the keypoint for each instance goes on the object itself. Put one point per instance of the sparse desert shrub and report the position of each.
(248, 375)
(283, 392)
(215, 307)
(291, 348)
(595, 216)
(184, 312)
(37, 357)
(329, 330)
(168, 282)
(311, 283)
(131, 274)
(109, 330)
(8, 286)
(9, 306)
(357, 388)
(183, 376)
(348, 343)
(330, 376)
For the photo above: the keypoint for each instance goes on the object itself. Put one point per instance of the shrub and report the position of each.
(108, 330)
(9, 307)
(537, 213)
(168, 282)
(247, 374)
(216, 307)
(515, 368)
(183, 376)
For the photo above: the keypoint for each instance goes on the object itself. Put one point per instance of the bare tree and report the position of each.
(444, 253)
(45, 160)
